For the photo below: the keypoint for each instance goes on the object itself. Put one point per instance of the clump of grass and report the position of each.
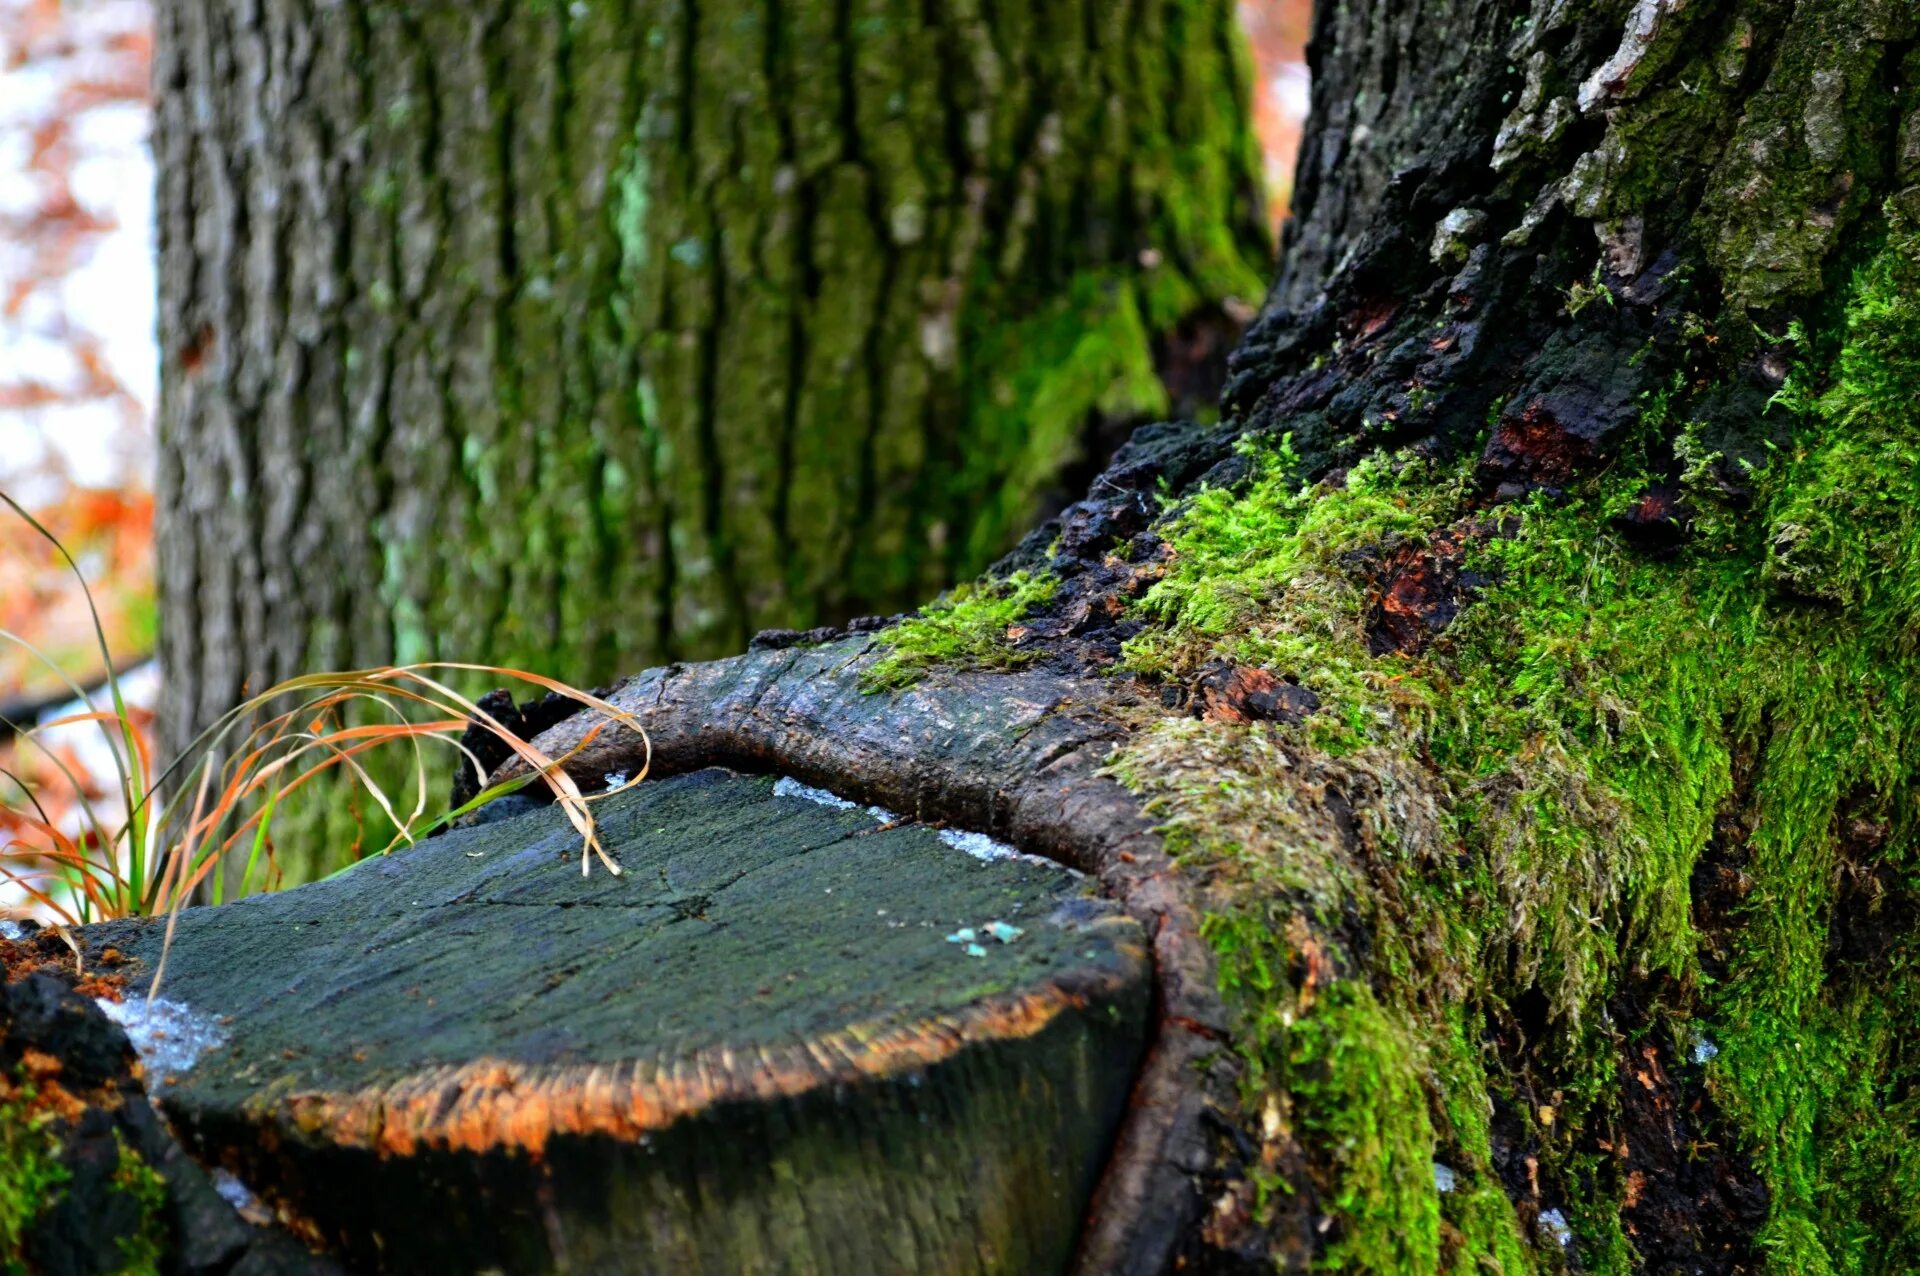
(967, 629)
(176, 827)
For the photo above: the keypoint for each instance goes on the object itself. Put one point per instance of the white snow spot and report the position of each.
(787, 786)
(1444, 1179)
(1554, 1224)
(1704, 1049)
(169, 1036)
(614, 779)
(11, 930)
(978, 845)
(234, 1192)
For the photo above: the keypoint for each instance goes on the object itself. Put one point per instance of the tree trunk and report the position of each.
(1521, 683)
(572, 336)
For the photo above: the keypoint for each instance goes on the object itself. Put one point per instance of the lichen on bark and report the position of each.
(573, 337)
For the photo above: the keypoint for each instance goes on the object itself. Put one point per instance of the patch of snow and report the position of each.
(1444, 1179)
(11, 930)
(787, 786)
(978, 845)
(234, 1192)
(1004, 933)
(1554, 1224)
(1704, 1049)
(614, 779)
(169, 1036)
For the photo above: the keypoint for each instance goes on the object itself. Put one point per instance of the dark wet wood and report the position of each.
(756, 1050)
(1016, 755)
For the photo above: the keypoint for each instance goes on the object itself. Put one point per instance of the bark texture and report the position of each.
(1520, 686)
(570, 336)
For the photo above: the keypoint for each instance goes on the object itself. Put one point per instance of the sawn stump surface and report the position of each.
(770, 1045)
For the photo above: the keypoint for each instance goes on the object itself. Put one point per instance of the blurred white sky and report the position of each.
(78, 362)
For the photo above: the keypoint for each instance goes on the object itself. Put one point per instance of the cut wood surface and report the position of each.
(1020, 755)
(768, 1046)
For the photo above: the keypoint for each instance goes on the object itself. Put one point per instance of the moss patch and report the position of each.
(966, 629)
(1496, 838)
(30, 1172)
(144, 1249)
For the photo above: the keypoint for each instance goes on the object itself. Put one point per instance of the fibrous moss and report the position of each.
(1356, 1089)
(1518, 812)
(30, 1172)
(965, 629)
(144, 1248)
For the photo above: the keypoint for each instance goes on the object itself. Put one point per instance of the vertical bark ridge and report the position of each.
(575, 337)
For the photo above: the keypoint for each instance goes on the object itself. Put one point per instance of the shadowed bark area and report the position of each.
(1517, 688)
(576, 336)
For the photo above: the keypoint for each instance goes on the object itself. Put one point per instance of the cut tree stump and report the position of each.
(768, 1046)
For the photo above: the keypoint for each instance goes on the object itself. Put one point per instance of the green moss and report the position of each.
(965, 629)
(147, 1246)
(1356, 1087)
(1086, 352)
(30, 1173)
(1529, 798)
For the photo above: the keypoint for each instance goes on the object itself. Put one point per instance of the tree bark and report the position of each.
(572, 336)
(1512, 713)
(1519, 686)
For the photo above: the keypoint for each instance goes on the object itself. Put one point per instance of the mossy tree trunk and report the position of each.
(1523, 681)
(570, 336)
(1598, 328)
